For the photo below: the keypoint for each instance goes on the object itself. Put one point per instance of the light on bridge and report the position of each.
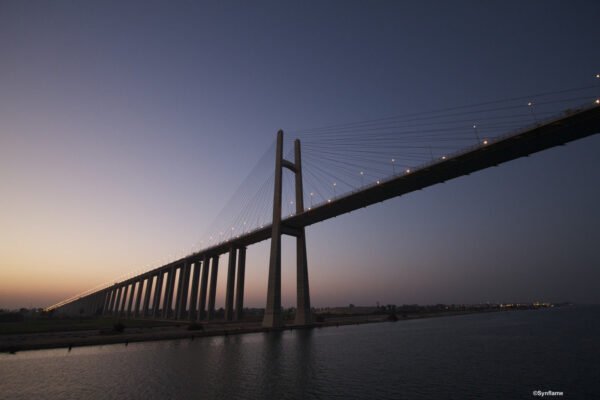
(597, 101)
(408, 171)
(485, 142)
(443, 157)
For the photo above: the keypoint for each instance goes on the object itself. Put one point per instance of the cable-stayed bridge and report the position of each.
(338, 169)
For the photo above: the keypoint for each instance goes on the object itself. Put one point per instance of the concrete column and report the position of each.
(93, 303)
(213, 287)
(184, 290)
(86, 305)
(239, 287)
(113, 299)
(110, 300)
(96, 298)
(117, 306)
(131, 296)
(194, 292)
(147, 296)
(203, 287)
(138, 298)
(157, 293)
(303, 313)
(168, 276)
(167, 312)
(272, 318)
(106, 300)
(96, 303)
(99, 303)
(179, 293)
(123, 307)
(230, 285)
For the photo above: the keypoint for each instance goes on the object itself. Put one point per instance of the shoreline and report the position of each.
(13, 343)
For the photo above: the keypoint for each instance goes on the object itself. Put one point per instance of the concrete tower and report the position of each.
(273, 317)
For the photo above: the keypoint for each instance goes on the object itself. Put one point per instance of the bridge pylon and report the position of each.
(273, 318)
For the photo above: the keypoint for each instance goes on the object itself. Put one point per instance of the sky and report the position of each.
(125, 127)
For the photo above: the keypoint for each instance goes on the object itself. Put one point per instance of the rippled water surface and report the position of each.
(500, 355)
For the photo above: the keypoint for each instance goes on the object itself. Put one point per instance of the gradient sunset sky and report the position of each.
(125, 126)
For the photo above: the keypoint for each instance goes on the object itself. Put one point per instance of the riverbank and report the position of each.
(144, 330)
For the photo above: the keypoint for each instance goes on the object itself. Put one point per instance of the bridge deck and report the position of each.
(554, 133)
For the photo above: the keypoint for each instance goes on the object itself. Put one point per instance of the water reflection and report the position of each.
(505, 355)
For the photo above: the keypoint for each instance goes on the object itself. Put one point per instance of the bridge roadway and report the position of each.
(569, 127)
(557, 132)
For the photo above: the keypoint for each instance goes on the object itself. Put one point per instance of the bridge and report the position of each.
(181, 289)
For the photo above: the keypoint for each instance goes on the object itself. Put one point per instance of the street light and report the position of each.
(530, 104)
(476, 133)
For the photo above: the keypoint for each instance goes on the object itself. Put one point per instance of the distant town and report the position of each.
(22, 314)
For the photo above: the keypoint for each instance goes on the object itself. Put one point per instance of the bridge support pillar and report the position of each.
(117, 302)
(131, 296)
(120, 297)
(303, 313)
(123, 306)
(230, 285)
(147, 292)
(193, 314)
(213, 288)
(182, 290)
(111, 301)
(138, 298)
(272, 317)
(239, 287)
(157, 293)
(203, 287)
(168, 301)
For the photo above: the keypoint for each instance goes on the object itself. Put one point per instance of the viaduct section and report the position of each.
(185, 289)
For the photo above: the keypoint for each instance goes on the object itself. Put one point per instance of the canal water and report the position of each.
(506, 355)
